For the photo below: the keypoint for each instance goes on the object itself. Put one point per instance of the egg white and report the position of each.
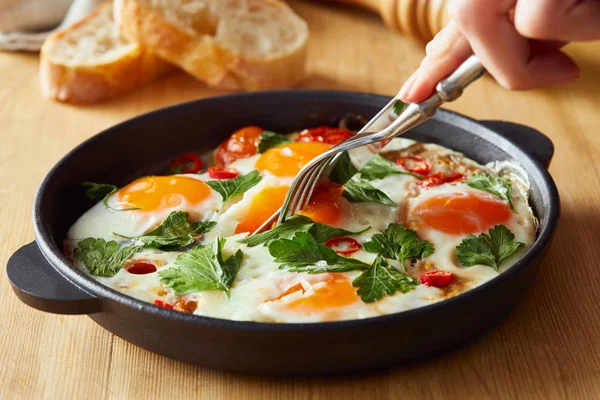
(259, 284)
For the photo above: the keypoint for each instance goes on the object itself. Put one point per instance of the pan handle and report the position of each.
(37, 284)
(532, 141)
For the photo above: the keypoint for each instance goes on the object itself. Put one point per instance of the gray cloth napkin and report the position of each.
(24, 24)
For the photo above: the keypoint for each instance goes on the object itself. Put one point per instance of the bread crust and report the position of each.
(95, 82)
(204, 58)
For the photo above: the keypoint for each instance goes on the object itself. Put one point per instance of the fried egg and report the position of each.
(147, 201)
(443, 214)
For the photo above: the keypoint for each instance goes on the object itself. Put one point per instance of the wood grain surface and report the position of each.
(548, 348)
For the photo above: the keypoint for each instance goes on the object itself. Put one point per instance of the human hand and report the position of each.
(517, 41)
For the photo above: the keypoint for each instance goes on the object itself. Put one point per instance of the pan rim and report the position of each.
(94, 288)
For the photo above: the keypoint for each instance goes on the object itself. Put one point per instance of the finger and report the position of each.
(558, 19)
(445, 53)
(506, 54)
(540, 46)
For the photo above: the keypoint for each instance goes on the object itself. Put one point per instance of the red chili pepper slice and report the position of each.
(433, 180)
(438, 279)
(190, 161)
(416, 165)
(439, 178)
(222, 173)
(164, 304)
(343, 245)
(324, 134)
(141, 268)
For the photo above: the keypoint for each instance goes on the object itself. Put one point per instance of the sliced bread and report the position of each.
(89, 62)
(228, 44)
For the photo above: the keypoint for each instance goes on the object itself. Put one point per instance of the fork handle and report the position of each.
(452, 87)
(447, 90)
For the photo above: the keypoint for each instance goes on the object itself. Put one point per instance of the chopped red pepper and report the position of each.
(141, 268)
(189, 163)
(439, 178)
(164, 304)
(343, 245)
(416, 165)
(324, 134)
(222, 173)
(438, 279)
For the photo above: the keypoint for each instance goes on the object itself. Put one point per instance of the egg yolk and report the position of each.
(336, 292)
(460, 213)
(324, 205)
(288, 160)
(264, 204)
(155, 193)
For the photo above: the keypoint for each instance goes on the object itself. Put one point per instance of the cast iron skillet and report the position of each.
(43, 279)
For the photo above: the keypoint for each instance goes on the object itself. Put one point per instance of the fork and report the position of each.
(384, 126)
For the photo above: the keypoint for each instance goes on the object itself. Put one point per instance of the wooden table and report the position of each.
(549, 347)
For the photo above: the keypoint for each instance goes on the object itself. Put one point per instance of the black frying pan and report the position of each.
(43, 279)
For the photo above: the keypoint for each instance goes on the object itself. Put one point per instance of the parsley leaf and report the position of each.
(322, 232)
(177, 170)
(174, 231)
(102, 191)
(488, 249)
(304, 254)
(285, 230)
(343, 169)
(230, 188)
(379, 168)
(381, 279)
(399, 106)
(202, 268)
(297, 223)
(270, 139)
(98, 191)
(359, 191)
(103, 258)
(204, 227)
(497, 186)
(399, 243)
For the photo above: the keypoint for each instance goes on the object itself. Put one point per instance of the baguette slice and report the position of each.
(88, 62)
(228, 44)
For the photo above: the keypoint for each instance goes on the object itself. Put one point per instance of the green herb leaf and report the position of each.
(205, 227)
(102, 191)
(381, 279)
(230, 188)
(343, 169)
(103, 258)
(322, 232)
(270, 139)
(202, 268)
(304, 254)
(488, 249)
(495, 185)
(359, 191)
(399, 106)
(379, 168)
(399, 243)
(177, 170)
(98, 191)
(175, 231)
(285, 230)
(297, 223)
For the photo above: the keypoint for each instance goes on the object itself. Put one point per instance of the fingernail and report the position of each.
(408, 86)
